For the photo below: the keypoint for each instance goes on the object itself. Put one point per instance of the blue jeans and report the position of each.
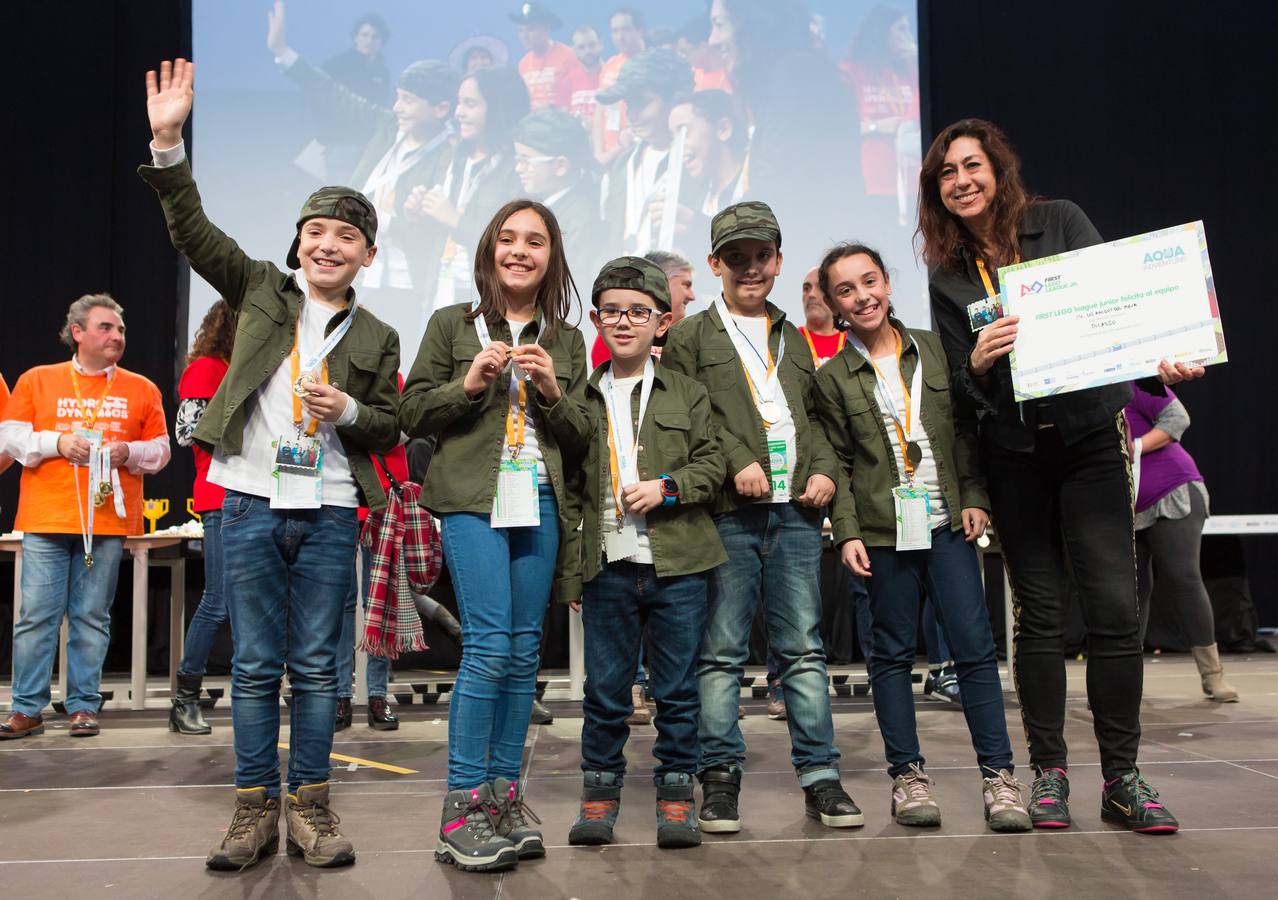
(377, 673)
(55, 583)
(938, 649)
(774, 551)
(211, 612)
(952, 578)
(626, 607)
(286, 579)
(502, 577)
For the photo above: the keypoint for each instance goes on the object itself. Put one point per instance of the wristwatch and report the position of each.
(669, 491)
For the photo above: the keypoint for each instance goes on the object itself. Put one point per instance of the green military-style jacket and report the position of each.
(470, 433)
(701, 348)
(853, 420)
(676, 438)
(365, 364)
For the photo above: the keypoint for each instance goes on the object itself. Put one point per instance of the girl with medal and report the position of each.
(912, 504)
(1058, 469)
(501, 385)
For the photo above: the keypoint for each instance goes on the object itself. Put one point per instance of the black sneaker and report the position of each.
(1049, 799)
(1131, 802)
(942, 684)
(826, 800)
(600, 805)
(380, 715)
(345, 714)
(720, 788)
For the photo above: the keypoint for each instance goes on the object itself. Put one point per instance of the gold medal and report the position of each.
(302, 383)
(88, 560)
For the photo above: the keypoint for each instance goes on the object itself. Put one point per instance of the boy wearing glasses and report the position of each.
(648, 542)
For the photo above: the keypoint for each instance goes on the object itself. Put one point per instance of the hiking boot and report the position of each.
(312, 829)
(600, 804)
(513, 824)
(776, 701)
(1004, 808)
(826, 800)
(912, 802)
(1212, 674)
(676, 810)
(18, 725)
(345, 714)
(720, 789)
(185, 716)
(254, 832)
(1049, 799)
(540, 713)
(942, 684)
(640, 714)
(380, 717)
(468, 832)
(1130, 801)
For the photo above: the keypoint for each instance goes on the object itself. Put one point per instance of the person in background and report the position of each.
(5, 459)
(610, 133)
(715, 157)
(481, 51)
(206, 366)
(1171, 507)
(824, 339)
(691, 42)
(87, 413)
(588, 49)
(363, 71)
(549, 68)
(679, 281)
(1058, 471)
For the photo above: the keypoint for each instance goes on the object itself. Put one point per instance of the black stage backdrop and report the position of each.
(1147, 114)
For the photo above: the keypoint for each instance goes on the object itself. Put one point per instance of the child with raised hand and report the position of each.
(501, 384)
(309, 370)
(648, 545)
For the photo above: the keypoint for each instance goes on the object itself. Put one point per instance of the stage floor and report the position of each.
(132, 813)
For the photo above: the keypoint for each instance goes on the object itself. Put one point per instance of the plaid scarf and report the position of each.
(407, 557)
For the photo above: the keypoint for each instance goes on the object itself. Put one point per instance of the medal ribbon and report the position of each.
(772, 379)
(624, 469)
(295, 366)
(913, 395)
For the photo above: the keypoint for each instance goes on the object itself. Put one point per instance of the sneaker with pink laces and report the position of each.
(912, 802)
(1004, 807)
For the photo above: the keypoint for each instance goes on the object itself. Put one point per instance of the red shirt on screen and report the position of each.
(881, 94)
(200, 381)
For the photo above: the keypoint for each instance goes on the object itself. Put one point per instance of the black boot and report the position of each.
(431, 610)
(185, 716)
(541, 714)
(720, 787)
(345, 715)
(380, 717)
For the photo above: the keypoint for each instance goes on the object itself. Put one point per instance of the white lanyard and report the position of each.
(637, 198)
(485, 338)
(470, 178)
(767, 391)
(334, 337)
(625, 438)
(911, 425)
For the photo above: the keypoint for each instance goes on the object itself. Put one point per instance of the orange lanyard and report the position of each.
(515, 431)
(614, 471)
(295, 365)
(990, 290)
(90, 420)
(816, 359)
(905, 393)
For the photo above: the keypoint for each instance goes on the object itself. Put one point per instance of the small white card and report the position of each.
(621, 544)
(516, 503)
(913, 515)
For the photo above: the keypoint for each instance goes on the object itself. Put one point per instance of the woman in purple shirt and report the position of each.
(1171, 507)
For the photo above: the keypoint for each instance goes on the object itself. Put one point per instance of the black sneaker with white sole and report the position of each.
(826, 800)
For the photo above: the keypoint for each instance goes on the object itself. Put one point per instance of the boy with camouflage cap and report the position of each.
(781, 474)
(648, 542)
(310, 392)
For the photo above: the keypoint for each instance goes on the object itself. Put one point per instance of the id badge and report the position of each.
(984, 312)
(516, 502)
(913, 515)
(93, 437)
(297, 473)
(622, 543)
(779, 469)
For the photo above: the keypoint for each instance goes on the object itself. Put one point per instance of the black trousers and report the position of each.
(1064, 512)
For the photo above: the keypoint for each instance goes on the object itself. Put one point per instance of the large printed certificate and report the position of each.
(1109, 313)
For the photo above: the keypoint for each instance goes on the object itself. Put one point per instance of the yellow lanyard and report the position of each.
(905, 392)
(89, 420)
(614, 471)
(295, 365)
(990, 290)
(816, 359)
(515, 431)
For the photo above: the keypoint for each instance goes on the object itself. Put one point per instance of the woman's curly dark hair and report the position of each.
(216, 334)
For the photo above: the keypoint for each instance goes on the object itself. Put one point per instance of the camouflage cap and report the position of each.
(326, 203)
(633, 273)
(660, 71)
(555, 133)
(748, 219)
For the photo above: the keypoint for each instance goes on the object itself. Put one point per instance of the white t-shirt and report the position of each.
(625, 388)
(925, 473)
(269, 416)
(532, 449)
(755, 331)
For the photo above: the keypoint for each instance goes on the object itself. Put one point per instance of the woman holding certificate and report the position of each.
(915, 505)
(1058, 469)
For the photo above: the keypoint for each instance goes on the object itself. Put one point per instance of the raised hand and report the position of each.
(168, 101)
(276, 41)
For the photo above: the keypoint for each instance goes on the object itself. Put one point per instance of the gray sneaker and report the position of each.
(1004, 806)
(513, 824)
(468, 832)
(254, 832)
(912, 802)
(312, 829)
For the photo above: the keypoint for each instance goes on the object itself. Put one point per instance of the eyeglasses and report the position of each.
(638, 315)
(523, 162)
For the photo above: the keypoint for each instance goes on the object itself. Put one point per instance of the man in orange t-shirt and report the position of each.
(61, 420)
(549, 69)
(611, 134)
(5, 459)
